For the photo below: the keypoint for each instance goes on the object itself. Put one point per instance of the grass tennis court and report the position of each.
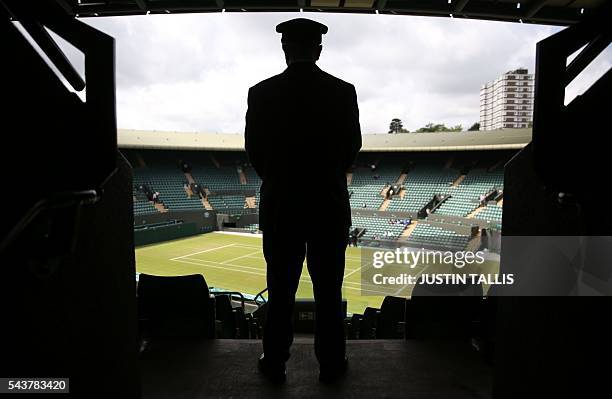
(236, 262)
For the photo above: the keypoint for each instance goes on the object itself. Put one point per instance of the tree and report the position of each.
(439, 127)
(396, 126)
(475, 126)
(430, 127)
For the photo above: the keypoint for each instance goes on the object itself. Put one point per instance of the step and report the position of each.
(349, 178)
(377, 368)
(458, 180)
(190, 178)
(384, 191)
(251, 202)
(475, 212)
(160, 207)
(207, 204)
(214, 161)
(406, 233)
(474, 243)
(449, 163)
(241, 176)
(401, 179)
(384, 205)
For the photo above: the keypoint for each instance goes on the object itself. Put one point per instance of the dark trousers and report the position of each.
(324, 251)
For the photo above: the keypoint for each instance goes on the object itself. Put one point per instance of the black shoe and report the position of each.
(332, 373)
(275, 372)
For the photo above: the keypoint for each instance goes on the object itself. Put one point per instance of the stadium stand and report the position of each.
(228, 203)
(216, 178)
(253, 227)
(376, 227)
(232, 187)
(217, 174)
(465, 197)
(427, 235)
(142, 205)
(367, 184)
(143, 208)
(253, 182)
(216, 171)
(490, 212)
(169, 181)
(421, 184)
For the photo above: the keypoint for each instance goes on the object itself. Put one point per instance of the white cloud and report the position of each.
(192, 72)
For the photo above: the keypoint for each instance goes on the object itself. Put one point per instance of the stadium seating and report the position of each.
(443, 316)
(426, 235)
(228, 178)
(253, 183)
(384, 323)
(390, 323)
(216, 178)
(492, 213)
(177, 306)
(466, 196)
(253, 227)
(143, 208)
(421, 184)
(169, 181)
(366, 186)
(233, 203)
(222, 177)
(377, 227)
(232, 321)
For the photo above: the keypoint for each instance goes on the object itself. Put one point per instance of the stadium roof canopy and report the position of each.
(442, 141)
(553, 12)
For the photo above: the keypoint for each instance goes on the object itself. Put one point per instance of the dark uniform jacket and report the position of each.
(302, 134)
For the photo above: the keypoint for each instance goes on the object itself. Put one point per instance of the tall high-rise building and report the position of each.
(507, 102)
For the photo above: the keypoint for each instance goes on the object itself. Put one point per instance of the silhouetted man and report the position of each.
(302, 134)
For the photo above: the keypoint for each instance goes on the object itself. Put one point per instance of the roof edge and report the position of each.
(405, 142)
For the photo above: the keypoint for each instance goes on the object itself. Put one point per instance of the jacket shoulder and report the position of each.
(266, 83)
(275, 81)
(337, 81)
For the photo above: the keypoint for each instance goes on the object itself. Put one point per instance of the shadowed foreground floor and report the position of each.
(378, 369)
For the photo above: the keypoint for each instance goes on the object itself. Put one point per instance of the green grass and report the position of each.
(236, 263)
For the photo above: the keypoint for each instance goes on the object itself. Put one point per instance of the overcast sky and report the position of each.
(192, 72)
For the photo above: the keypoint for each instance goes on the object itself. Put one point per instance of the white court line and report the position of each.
(375, 285)
(171, 242)
(353, 272)
(250, 256)
(215, 265)
(201, 252)
(231, 268)
(239, 257)
(263, 258)
(218, 267)
(256, 257)
(417, 277)
(260, 247)
(249, 246)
